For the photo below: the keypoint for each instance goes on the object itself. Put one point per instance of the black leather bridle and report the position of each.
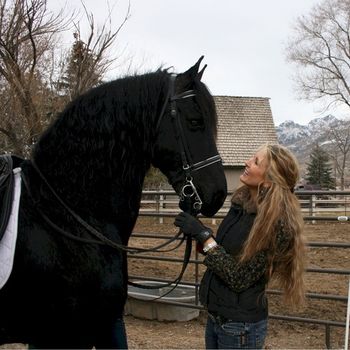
(188, 190)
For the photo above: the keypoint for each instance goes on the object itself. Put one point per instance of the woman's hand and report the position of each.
(191, 226)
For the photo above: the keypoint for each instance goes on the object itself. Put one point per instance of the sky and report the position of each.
(243, 43)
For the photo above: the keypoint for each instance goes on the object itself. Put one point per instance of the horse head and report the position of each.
(185, 148)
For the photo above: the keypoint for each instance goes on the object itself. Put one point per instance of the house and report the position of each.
(244, 124)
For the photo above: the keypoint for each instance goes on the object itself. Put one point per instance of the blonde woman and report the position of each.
(260, 238)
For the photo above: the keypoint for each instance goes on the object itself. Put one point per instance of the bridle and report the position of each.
(188, 191)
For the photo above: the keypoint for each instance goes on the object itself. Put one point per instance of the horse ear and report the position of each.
(200, 74)
(192, 73)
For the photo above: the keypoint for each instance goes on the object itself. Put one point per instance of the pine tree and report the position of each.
(82, 70)
(319, 171)
(154, 179)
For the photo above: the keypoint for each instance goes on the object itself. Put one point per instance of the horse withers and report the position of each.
(82, 188)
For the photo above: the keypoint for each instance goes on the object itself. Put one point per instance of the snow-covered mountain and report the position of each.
(290, 132)
(301, 138)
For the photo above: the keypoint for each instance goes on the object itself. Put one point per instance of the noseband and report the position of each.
(188, 190)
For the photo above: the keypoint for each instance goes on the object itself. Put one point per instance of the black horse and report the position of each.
(66, 289)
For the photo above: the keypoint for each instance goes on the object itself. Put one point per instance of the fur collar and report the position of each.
(242, 198)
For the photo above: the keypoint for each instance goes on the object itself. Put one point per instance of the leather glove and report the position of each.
(191, 226)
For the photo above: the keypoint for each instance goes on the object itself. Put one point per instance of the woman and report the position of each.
(260, 237)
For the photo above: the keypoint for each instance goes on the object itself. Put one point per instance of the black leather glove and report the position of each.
(191, 226)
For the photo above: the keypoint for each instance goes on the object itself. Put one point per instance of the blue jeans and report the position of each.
(120, 339)
(235, 335)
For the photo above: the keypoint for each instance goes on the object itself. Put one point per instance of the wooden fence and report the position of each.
(315, 205)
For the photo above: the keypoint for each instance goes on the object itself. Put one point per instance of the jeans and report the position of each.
(235, 335)
(120, 339)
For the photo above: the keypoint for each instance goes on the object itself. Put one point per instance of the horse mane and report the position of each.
(92, 134)
(93, 127)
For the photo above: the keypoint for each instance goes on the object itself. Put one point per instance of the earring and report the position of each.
(263, 190)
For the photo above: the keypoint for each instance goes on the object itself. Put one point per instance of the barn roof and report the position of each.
(244, 124)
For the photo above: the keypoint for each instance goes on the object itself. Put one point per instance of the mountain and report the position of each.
(290, 132)
(300, 139)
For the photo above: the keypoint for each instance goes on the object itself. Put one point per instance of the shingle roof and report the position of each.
(244, 124)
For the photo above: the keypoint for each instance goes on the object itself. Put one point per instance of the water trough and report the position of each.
(139, 303)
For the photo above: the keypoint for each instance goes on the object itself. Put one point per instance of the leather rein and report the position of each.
(188, 193)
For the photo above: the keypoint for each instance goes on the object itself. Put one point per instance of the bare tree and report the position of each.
(320, 48)
(340, 150)
(27, 30)
(28, 41)
(88, 60)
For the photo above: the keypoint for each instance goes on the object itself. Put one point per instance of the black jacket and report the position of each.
(231, 291)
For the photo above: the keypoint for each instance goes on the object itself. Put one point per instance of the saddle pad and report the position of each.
(8, 242)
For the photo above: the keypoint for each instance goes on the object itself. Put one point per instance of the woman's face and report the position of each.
(255, 169)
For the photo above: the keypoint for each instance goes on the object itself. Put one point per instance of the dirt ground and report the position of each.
(151, 334)
(146, 334)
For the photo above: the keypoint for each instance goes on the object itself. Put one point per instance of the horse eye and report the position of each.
(196, 123)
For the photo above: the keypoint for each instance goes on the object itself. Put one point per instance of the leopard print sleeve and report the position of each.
(283, 238)
(238, 277)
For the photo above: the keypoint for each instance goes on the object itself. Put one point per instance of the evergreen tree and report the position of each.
(319, 171)
(154, 179)
(82, 70)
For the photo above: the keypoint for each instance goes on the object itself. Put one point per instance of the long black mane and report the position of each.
(98, 126)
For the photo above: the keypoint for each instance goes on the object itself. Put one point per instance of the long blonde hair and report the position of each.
(277, 208)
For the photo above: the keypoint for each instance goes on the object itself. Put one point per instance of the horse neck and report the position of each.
(104, 190)
(108, 170)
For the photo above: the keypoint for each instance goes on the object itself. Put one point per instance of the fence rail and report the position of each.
(314, 204)
(336, 204)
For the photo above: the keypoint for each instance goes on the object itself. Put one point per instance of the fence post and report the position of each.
(328, 336)
(161, 206)
(312, 206)
(346, 345)
(196, 278)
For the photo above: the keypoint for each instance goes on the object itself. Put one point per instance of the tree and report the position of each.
(320, 49)
(26, 37)
(29, 37)
(88, 61)
(319, 171)
(80, 74)
(154, 179)
(340, 150)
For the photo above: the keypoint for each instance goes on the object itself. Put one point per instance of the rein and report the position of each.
(101, 239)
